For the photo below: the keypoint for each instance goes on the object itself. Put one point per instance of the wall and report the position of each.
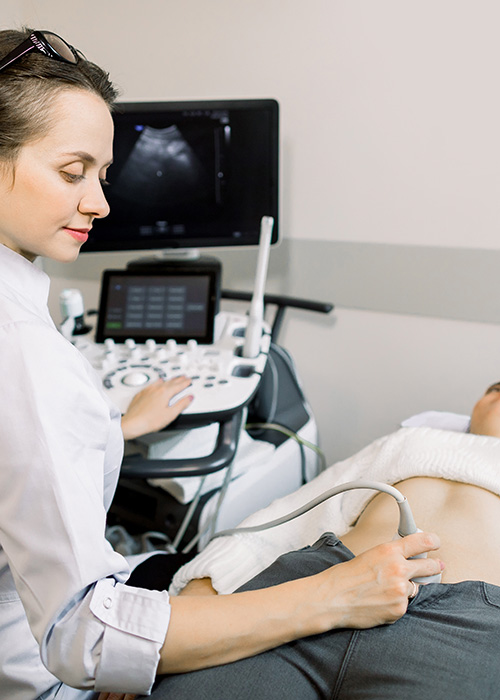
(390, 179)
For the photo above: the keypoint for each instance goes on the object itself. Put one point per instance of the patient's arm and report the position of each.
(369, 590)
(199, 586)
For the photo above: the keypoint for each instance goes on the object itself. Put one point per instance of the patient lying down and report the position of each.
(442, 643)
(447, 642)
(451, 480)
(460, 513)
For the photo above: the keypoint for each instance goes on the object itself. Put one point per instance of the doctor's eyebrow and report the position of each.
(87, 158)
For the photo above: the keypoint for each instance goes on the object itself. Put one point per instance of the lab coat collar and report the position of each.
(23, 279)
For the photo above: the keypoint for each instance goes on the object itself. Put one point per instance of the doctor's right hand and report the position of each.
(373, 588)
(151, 409)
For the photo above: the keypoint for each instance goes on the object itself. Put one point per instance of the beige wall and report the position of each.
(390, 114)
(390, 109)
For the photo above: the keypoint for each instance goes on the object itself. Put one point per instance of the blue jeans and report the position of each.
(446, 647)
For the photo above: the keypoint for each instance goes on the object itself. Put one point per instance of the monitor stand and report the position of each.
(168, 254)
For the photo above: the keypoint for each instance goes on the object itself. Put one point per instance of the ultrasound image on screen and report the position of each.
(167, 174)
(190, 175)
(163, 170)
(167, 178)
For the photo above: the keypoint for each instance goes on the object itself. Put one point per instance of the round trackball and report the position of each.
(135, 379)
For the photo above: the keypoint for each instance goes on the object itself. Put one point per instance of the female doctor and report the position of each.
(69, 626)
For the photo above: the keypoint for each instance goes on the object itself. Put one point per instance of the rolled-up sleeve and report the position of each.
(55, 426)
(130, 626)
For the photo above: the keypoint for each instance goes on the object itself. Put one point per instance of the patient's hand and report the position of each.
(116, 696)
(149, 410)
(373, 588)
(199, 586)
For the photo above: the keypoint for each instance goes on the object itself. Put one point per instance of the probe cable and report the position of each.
(406, 525)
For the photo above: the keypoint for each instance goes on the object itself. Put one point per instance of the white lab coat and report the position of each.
(65, 614)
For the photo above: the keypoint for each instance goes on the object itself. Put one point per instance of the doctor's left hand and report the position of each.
(116, 696)
(150, 409)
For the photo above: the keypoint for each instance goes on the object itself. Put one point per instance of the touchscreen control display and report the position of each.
(156, 306)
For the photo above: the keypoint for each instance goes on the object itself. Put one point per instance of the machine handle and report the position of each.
(282, 302)
(139, 467)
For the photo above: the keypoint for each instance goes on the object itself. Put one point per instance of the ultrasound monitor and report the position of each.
(190, 175)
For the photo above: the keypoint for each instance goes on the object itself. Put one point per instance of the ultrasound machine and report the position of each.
(190, 175)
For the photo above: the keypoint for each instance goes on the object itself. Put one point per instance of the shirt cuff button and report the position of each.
(107, 602)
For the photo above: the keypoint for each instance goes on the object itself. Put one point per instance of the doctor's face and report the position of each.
(485, 419)
(50, 198)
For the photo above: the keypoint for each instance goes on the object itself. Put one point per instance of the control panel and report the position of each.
(222, 379)
(160, 320)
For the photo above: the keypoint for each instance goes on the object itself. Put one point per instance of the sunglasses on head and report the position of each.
(48, 43)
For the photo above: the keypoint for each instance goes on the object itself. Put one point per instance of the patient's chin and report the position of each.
(484, 429)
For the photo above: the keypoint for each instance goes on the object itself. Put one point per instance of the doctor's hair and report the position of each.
(28, 88)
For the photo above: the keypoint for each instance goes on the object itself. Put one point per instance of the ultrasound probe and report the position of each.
(406, 525)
